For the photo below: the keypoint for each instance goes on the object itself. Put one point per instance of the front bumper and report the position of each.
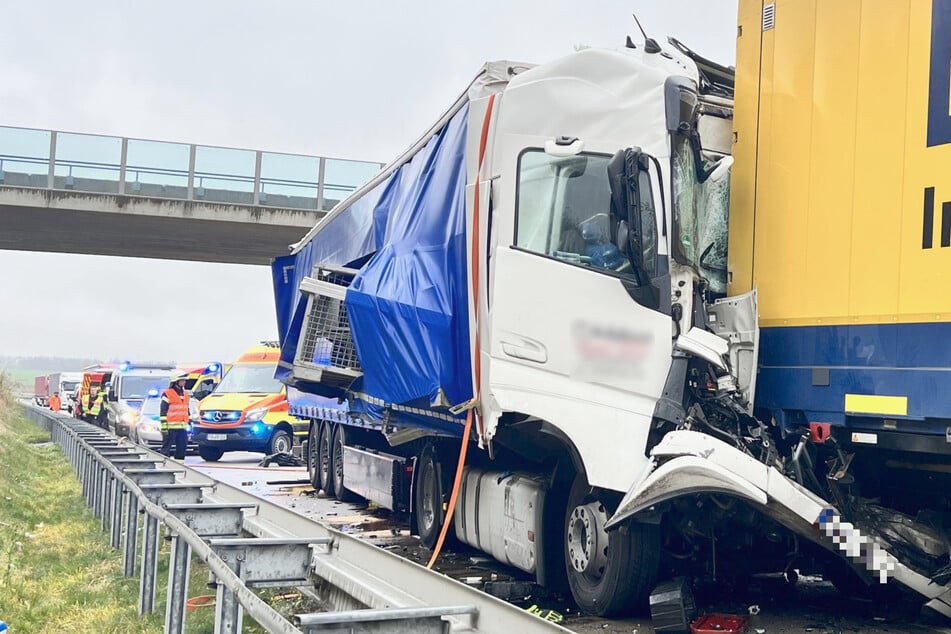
(688, 462)
(240, 438)
(152, 438)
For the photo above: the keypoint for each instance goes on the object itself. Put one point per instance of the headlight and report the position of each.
(127, 417)
(255, 415)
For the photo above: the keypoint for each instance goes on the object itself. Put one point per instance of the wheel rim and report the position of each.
(281, 444)
(587, 541)
(428, 510)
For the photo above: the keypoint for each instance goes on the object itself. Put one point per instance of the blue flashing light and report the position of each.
(256, 428)
(213, 368)
(125, 365)
(153, 392)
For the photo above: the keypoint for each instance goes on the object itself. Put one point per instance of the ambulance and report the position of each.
(248, 410)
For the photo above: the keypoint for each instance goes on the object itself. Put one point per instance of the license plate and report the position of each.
(217, 436)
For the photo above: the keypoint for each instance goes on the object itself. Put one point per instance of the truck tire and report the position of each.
(313, 446)
(428, 496)
(281, 442)
(325, 459)
(339, 442)
(609, 573)
(210, 454)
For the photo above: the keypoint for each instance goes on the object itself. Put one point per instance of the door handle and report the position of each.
(527, 350)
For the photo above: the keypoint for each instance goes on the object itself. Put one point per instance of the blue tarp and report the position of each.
(408, 306)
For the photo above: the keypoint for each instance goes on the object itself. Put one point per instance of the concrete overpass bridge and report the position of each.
(80, 193)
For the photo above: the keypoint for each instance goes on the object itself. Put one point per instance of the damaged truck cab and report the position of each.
(544, 276)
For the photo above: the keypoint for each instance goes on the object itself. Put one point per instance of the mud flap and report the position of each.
(692, 462)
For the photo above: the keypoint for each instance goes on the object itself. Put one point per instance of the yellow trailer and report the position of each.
(841, 214)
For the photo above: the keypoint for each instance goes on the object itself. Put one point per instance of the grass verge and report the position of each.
(58, 572)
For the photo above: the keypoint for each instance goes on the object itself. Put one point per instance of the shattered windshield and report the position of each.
(700, 214)
(686, 197)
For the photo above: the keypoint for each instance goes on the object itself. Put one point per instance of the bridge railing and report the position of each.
(48, 159)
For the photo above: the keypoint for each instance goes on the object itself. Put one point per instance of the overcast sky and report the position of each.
(345, 79)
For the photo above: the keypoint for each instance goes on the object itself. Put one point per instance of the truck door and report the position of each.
(572, 339)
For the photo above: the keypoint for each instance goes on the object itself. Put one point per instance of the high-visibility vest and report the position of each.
(55, 403)
(177, 416)
(96, 405)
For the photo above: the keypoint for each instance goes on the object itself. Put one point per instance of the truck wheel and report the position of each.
(609, 573)
(313, 446)
(428, 498)
(281, 442)
(340, 441)
(325, 459)
(210, 454)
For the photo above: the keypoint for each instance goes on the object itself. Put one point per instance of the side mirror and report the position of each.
(624, 171)
(719, 169)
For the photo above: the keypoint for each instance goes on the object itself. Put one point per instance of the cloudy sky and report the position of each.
(348, 79)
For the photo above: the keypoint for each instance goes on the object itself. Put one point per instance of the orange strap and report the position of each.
(455, 491)
(476, 250)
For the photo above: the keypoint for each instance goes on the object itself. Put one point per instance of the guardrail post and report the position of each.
(228, 612)
(178, 568)
(106, 504)
(51, 172)
(99, 482)
(150, 550)
(89, 467)
(131, 535)
(118, 497)
(83, 472)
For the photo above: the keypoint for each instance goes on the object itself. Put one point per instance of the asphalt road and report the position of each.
(812, 605)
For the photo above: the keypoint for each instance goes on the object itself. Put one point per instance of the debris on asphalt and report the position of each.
(508, 590)
(282, 460)
(672, 606)
(715, 623)
(549, 615)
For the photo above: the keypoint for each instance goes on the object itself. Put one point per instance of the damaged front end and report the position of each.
(713, 462)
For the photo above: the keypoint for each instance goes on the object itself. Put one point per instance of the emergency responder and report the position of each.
(173, 417)
(92, 405)
(55, 402)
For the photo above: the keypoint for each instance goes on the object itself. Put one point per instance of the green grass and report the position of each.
(24, 378)
(58, 572)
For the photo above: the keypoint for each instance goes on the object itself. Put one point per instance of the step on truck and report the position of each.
(647, 366)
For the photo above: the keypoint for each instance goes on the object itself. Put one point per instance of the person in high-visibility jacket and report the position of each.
(55, 402)
(173, 417)
(92, 405)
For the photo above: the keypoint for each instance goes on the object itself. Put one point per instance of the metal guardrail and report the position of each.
(50, 159)
(369, 589)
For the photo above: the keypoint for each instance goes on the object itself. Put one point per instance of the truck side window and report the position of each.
(564, 210)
